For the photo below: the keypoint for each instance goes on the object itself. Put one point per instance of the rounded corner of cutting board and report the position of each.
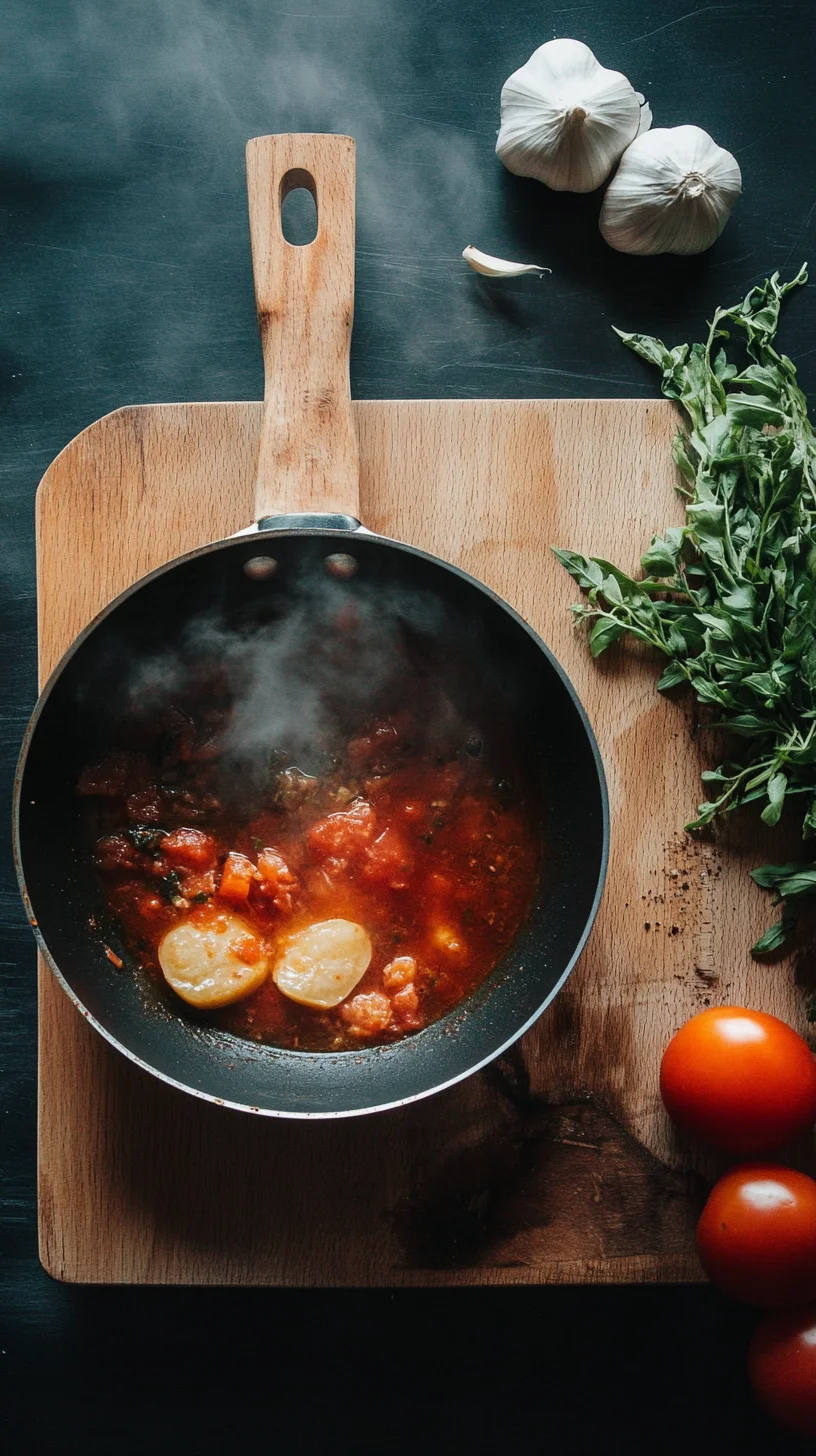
(85, 440)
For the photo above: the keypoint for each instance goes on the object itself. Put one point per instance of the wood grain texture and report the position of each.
(556, 1164)
(308, 458)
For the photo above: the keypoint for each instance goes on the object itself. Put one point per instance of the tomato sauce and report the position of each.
(434, 854)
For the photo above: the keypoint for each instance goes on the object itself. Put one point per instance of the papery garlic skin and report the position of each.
(672, 193)
(565, 119)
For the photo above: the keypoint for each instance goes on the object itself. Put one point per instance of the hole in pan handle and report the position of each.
(298, 208)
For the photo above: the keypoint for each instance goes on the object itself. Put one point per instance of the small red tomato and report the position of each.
(741, 1081)
(782, 1367)
(757, 1235)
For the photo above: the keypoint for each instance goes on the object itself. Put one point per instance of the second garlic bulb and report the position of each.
(672, 193)
(566, 119)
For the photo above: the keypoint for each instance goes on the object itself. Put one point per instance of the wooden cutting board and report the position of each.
(557, 1163)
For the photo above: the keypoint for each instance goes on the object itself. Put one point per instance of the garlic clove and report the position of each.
(498, 267)
(645, 113)
(566, 119)
(672, 193)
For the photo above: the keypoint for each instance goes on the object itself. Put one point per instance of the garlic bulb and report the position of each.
(566, 120)
(672, 193)
(491, 267)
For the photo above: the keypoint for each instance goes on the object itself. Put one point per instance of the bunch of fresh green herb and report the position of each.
(730, 597)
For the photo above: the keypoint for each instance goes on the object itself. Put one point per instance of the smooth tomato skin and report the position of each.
(741, 1081)
(757, 1235)
(782, 1367)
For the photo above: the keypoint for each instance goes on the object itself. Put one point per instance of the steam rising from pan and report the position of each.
(307, 664)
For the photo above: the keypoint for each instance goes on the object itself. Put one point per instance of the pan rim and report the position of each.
(241, 541)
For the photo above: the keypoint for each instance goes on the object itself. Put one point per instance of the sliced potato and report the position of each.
(213, 961)
(322, 965)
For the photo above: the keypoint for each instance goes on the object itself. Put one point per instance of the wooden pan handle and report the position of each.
(308, 457)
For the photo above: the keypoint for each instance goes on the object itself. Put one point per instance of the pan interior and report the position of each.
(463, 631)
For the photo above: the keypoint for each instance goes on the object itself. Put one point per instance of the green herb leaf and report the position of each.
(671, 677)
(803, 882)
(604, 633)
(774, 937)
(769, 876)
(662, 557)
(145, 836)
(170, 885)
(776, 798)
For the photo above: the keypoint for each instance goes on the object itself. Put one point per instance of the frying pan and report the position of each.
(307, 524)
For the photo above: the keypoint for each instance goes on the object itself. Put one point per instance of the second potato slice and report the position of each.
(321, 966)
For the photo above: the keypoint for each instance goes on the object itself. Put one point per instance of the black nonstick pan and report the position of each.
(308, 547)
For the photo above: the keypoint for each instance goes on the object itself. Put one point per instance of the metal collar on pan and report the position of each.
(313, 520)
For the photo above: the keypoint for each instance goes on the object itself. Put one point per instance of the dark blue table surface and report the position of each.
(125, 277)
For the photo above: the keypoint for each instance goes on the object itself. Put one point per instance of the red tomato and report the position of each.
(782, 1367)
(115, 852)
(741, 1081)
(342, 835)
(277, 879)
(189, 847)
(757, 1235)
(236, 876)
(388, 861)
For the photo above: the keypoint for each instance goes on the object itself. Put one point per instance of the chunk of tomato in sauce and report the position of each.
(115, 853)
(236, 877)
(276, 880)
(343, 836)
(405, 1006)
(195, 884)
(366, 1014)
(388, 861)
(399, 972)
(189, 847)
